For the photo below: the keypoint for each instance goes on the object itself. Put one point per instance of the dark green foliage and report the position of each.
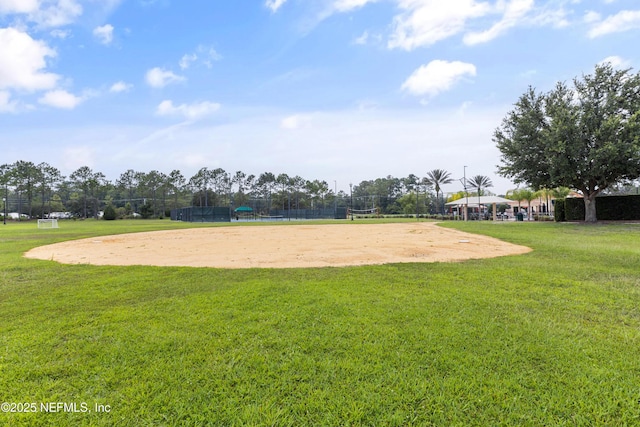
(585, 136)
(574, 209)
(110, 213)
(202, 214)
(608, 208)
(146, 211)
(614, 208)
(559, 212)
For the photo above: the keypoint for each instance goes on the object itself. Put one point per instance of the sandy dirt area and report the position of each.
(280, 246)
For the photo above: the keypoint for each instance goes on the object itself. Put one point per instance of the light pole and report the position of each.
(351, 191)
(335, 199)
(417, 198)
(4, 216)
(466, 195)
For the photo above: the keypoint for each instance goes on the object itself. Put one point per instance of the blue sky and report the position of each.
(337, 90)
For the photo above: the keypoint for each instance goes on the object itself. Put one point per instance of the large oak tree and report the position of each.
(585, 136)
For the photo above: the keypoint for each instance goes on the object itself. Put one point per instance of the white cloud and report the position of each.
(204, 54)
(46, 13)
(60, 99)
(296, 121)
(120, 86)
(158, 78)
(426, 22)
(513, 13)
(22, 61)
(6, 105)
(367, 38)
(590, 17)
(363, 39)
(550, 14)
(437, 76)
(60, 34)
(108, 6)
(622, 21)
(104, 33)
(274, 5)
(56, 13)
(208, 55)
(18, 6)
(347, 5)
(189, 111)
(187, 60)
(616, 62)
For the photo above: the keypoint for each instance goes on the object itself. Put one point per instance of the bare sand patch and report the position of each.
(281, 246)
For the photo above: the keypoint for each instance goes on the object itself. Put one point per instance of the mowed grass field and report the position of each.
(547, 338)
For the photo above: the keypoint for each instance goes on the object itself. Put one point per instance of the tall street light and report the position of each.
(466, 195)
(417, 198)
(351, 191)
(335, 199)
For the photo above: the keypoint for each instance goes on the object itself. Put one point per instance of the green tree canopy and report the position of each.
(586, 137)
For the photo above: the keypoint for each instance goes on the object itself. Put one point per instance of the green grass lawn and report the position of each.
(547, 338)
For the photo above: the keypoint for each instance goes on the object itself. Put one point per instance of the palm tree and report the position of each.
(561, 192)
(479, 182)
(544, 194)
(528, 195)
(515, 195)
(436, 178)
(521, 194)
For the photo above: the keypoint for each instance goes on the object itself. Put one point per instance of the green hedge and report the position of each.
(608, 208)
(558, 211)
(574, 209)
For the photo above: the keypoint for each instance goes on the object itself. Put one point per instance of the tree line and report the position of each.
(37, 190)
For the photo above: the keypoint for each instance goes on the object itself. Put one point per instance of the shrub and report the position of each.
(109, 213)
(608, 208)
(558, 213)
(146, 211)
(616, 208)
(574, 209)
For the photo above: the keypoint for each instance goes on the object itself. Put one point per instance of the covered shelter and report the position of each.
(244, 211)
(475, 201)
